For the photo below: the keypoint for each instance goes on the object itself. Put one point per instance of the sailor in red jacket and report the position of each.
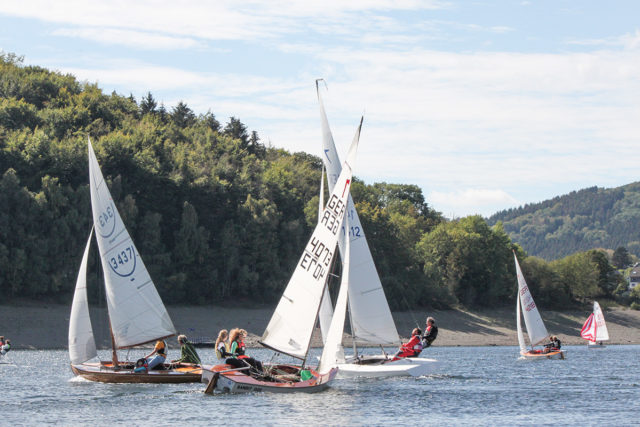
(412, 348)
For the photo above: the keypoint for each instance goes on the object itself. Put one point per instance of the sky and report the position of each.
(485, 105)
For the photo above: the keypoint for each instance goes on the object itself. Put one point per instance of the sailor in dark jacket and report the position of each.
(430, 332)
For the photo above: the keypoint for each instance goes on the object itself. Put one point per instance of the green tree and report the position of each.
(182, 116)
(148, 104)
(621, 258)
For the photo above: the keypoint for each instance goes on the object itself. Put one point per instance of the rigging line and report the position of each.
(415, 320)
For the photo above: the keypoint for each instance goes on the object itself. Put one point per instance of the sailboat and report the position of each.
(136, 313)
(369, 313)
(594, 329)
(536, 330)
(292, 324)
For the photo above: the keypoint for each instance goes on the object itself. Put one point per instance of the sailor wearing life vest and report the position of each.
(159, 354)
(412, 348)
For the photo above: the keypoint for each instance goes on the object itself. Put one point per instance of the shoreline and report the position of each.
(45, 325)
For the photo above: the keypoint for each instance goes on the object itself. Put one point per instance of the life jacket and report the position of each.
(412, 348)
(241, 350)
(161, 348)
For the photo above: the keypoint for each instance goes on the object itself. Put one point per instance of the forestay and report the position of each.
(370, 316)
(82, 345)
(290, 328)
(535, 326)
(136, 312)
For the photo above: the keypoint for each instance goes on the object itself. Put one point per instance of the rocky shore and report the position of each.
(45, 326)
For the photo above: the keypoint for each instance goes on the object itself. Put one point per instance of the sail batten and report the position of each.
(136, 312)
(371, 319)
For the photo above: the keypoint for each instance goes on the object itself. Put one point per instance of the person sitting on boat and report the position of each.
(554, 345)
(238, 349)
(159, 354)
(412, 348)
(231, 358)
(430, 333)
(188, 352)
(222, 345)
(6, 346)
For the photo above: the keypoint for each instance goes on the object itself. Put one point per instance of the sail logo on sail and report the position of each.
(107, 221)
(527, 302)
(124, 262)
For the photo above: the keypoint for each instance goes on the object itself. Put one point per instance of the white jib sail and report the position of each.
(602, 334)
(326, 309)
(371, 319)
(521, 343)
(535, 326)
(136, 312)
(82, 345)
(290, 328)
(333, 352)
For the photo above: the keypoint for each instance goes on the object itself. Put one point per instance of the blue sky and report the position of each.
(485, 105)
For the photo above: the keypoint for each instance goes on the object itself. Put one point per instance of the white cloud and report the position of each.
(533, 125)
(137, 39)
(218, 20)
(479, 201)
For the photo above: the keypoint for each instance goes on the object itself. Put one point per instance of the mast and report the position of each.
(114, 353)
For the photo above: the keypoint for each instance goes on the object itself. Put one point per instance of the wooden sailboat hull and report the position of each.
(538, 355)
(105, 373)
(379, 366)
(226, 380)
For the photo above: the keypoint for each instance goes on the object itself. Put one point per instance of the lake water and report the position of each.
(475, 386)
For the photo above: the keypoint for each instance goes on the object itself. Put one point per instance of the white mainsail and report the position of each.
(333, 352)
(136, 312)
(602, 334)
(290, 328)
(82, 345)
(370, 316)
(535, 326)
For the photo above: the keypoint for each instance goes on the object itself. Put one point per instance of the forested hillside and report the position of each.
(581, 220)
(219, 217)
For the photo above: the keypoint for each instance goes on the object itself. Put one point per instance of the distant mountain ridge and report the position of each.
(581, 220)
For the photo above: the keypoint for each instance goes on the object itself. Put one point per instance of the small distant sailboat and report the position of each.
(536, 330)
(594, 329)
(136, 313)
(369, 313)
